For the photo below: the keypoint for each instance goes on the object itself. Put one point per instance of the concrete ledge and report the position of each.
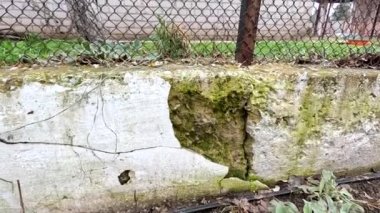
(82, 137)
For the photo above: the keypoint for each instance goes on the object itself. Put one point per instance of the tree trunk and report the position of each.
(85, 20)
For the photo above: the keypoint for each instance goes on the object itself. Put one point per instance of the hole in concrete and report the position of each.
(10, 137)
(124, 177)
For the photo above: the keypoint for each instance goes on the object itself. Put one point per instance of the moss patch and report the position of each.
(209, 109)
(209, 117)
(63, 77)
(325, 102)
(238, 185)
(358, 103)
(315, 108)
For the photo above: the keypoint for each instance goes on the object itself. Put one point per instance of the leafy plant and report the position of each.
(324, 197)
(283, 207)
(170, 41)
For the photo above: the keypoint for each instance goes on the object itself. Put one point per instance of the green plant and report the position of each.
(324, 197)
(170, 41)
(33, 38)
(32, 48)
(283, 207)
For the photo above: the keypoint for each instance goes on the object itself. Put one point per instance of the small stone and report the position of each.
(13, 68)
(156, 64)
(276, 189)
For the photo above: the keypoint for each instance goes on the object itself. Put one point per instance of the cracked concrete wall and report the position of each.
(68, 146)
(318, 119)
(84, 139)
(298, 120)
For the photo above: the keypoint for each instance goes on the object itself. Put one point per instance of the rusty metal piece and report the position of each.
(248, 27)
(375, 21)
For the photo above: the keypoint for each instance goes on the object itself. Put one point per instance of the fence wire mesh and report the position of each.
(97, 31)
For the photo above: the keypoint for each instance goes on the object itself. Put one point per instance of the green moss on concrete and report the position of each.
(314, 111)
(260, 92)
(323, 104)
(312, 115)
(358, 103)
(209, 116)
(10, 84)
(267, 181)
(234, 184)
(64, 76)
(209, 113)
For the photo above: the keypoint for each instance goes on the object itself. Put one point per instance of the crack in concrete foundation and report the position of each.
(104, 121)
(81, 166)
(84, 95)
(9, 182)
(92, 127)
(82, 147)
(246, 144)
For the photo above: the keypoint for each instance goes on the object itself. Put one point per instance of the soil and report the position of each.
(365, 61)
(368, 61)
(366, 193)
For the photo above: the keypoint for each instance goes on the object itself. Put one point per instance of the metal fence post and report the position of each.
(248, 27)
(375, 21)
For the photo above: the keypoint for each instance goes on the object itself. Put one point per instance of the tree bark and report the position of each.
(85, 20)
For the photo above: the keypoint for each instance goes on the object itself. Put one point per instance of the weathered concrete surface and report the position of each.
(71, 135)
(68, 146)
(297, 120)
(318, 120)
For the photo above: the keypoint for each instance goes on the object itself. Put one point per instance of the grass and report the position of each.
(170, 41)
(33, 48)
(288, 50)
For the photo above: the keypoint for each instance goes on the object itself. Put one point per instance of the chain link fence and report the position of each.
(99, 31)
(344, 31)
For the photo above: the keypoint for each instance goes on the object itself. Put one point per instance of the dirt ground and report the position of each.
(367, 194)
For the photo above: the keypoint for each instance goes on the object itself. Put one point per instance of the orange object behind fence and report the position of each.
(358, 42)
